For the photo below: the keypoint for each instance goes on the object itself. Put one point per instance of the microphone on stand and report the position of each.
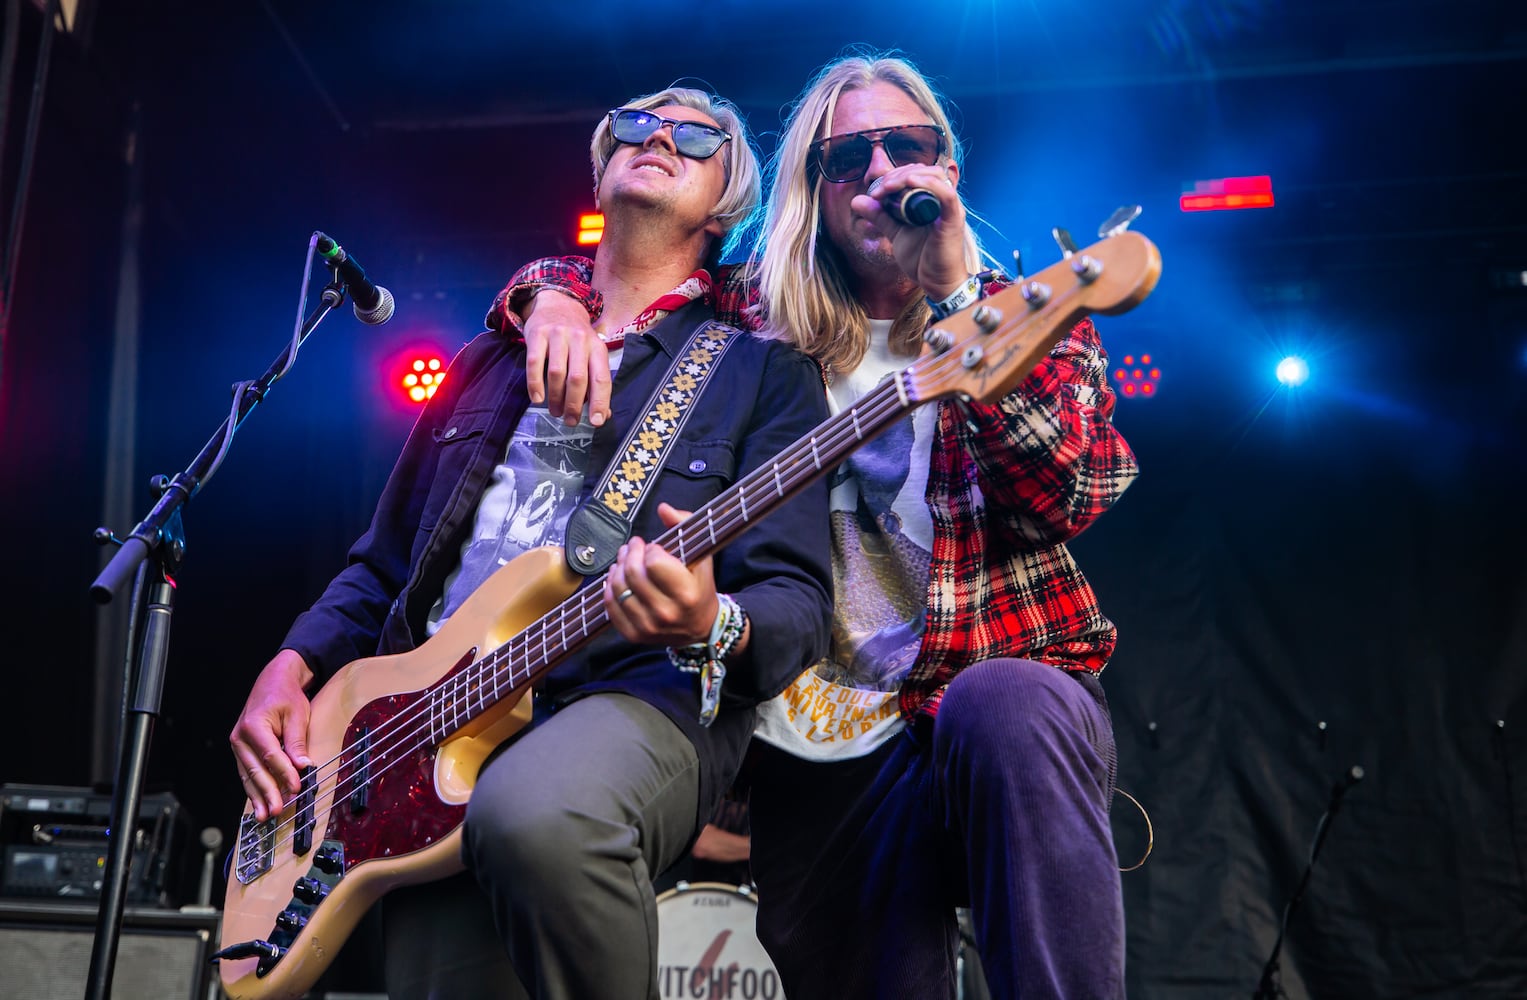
(373, 303)
(913, 207)
(1270, 987)
(211, 842)
(1344, 785)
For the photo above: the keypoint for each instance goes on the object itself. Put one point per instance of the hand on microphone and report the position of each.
(373, 303)
(926, 226)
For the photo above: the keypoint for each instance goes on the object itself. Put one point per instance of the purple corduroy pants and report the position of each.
(1001, 804)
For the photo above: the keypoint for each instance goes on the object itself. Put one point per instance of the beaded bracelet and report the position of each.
(705, 658)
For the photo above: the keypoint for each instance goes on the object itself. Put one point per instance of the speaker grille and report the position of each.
(43, 961)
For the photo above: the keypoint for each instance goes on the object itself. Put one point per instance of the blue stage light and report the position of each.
(1292, 371)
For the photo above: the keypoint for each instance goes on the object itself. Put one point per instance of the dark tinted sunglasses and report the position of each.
(844, 158)
(695, 140)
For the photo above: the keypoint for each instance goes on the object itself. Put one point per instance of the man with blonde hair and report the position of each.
(954, 748)
(625, 755)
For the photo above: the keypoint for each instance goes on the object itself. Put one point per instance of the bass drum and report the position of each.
(707, 944)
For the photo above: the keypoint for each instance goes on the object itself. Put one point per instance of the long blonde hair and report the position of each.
(802, 277)
(740, 198)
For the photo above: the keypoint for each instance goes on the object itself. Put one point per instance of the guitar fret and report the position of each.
(854, 413)
(779, 487)
(815, 458)
(742, 500)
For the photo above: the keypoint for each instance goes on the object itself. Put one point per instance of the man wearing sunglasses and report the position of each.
(621, 762)
(972, 760)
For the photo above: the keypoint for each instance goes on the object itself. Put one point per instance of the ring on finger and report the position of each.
(623, 595)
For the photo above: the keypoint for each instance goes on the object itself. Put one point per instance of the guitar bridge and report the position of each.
(256, 847)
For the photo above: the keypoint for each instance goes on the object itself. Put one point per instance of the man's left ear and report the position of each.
(953, 170)
(715, 227)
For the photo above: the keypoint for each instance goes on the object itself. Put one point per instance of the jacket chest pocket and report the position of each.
(695, 473)
(456, 445)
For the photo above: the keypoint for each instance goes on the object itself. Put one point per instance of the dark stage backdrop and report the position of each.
(1303, 581)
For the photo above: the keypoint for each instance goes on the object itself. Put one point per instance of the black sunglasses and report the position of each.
(696, 140)
(844, 158)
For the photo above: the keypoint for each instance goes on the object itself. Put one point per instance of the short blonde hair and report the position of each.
(744, 179)
(802, 277)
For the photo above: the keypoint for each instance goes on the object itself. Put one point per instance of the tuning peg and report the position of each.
(1064, 241)
(939, 339)
(105, 536)
(1017, 266)
(1119, 220)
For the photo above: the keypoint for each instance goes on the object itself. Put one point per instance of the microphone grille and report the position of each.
(379, 313)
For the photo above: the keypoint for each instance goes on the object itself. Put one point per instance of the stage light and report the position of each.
(1292, 371)
(421, 378)
(590, 228)
(1228, 193)
(1138, 377)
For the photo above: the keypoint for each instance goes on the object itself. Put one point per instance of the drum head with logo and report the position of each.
(708, 945)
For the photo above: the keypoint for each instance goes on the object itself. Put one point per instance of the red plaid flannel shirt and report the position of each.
(1039, 466)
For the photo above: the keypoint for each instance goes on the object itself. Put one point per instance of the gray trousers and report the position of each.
(565, 830)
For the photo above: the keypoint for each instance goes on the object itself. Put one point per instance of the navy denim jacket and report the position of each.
(762, 397)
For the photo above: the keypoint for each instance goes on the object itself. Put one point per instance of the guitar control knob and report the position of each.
(290, 922)
(329, 860)
(309, 891)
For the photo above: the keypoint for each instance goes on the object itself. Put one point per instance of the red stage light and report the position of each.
(1228, 193)
(1134, 379)
(421, 378)
(590, 228)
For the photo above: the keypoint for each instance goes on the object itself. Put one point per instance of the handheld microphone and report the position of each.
(373, 303)
(913, 207)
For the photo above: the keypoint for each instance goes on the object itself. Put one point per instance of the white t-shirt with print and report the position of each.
(882, 539)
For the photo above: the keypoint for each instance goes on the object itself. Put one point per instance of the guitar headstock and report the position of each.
(985, 350)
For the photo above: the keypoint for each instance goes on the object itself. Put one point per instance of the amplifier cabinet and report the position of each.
(54, 843)
(45, 950)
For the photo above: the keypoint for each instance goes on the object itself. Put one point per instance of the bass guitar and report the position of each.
(399, 740)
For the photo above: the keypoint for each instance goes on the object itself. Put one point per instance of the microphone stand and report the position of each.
(1271, 985)
(152, 554)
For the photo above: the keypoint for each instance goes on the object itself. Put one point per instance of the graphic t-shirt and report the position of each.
(882, 537)
(526, 504)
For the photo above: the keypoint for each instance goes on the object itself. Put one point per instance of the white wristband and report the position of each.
(958, 299)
